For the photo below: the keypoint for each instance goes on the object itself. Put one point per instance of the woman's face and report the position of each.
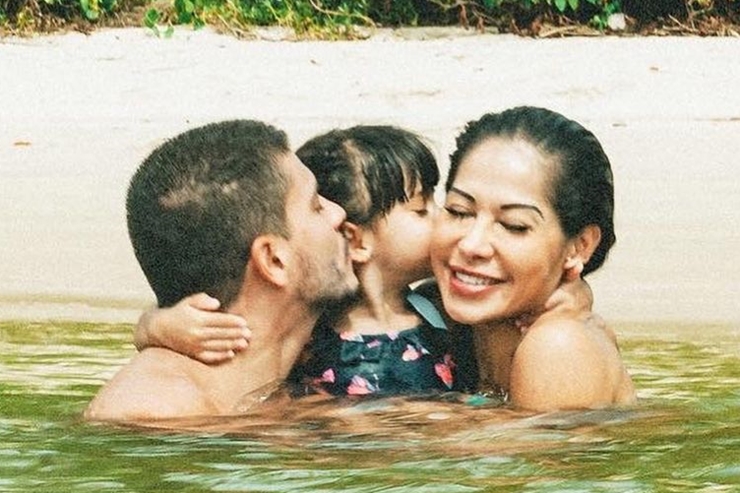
(498, 250)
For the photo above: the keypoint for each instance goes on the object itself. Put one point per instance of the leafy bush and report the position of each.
(340, 18)
(47, 11)
(47, 15)
(311, 17)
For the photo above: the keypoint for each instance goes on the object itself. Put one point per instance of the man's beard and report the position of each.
(324, 288)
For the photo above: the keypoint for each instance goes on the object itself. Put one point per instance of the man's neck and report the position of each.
(280, 331)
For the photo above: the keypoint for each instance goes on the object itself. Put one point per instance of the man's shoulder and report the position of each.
(155, 366)
(156, 383)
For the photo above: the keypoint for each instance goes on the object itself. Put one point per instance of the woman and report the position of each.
(529, 204)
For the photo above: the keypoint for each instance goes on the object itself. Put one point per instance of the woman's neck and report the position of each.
(495, 345)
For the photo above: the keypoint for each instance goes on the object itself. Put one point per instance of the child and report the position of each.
(387, 339)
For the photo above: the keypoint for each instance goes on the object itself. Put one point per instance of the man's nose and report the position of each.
(336, 213)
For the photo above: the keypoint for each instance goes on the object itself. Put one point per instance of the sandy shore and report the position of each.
(80, 112)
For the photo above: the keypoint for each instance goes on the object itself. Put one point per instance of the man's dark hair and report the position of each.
(197, 203)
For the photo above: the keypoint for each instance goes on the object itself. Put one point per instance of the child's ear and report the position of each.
(580, 251)
(271, 256)
(360, 241)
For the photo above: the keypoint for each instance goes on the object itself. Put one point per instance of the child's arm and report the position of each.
(573, 297)
(195, 328)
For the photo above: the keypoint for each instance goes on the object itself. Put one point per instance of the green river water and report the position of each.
(683, 435)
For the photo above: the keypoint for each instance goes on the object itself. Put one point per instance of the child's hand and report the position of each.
(573, 295)
(194, 328)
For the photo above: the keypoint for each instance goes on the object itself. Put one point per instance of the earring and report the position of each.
(573, 268)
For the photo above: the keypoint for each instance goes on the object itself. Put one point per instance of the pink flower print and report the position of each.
(411, 353)
(373, 343)
(393, 335)
(328, 376)
(351, 336)
(444, 370)
(360, 386)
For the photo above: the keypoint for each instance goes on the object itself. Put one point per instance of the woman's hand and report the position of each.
(195, 328)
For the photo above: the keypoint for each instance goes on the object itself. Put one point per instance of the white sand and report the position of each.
(79, 112)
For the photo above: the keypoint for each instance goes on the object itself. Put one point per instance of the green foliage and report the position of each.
(152, 20)
(589, 9)
(341, 18)
(30, 15)
(305, 16)
(608, 7)
(93, 8)
(309, 18)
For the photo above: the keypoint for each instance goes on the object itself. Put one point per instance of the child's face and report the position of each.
(402, 237)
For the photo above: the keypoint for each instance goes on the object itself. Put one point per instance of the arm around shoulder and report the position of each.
(194, 327)
(565, 364)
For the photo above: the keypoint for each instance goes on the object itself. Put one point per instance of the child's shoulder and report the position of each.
(424, 299)
(429, 289)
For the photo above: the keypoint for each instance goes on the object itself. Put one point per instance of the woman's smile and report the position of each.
(468, 282)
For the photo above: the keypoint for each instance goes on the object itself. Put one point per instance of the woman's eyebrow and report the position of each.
(523, 206)
(465, 195)
(504, 207)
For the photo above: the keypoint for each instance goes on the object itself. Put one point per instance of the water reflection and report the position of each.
(683, 436)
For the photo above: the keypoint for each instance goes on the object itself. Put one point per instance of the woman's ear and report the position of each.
(360, 242)
(580, 251)
(271, 255)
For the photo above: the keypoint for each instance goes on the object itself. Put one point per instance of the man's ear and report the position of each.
(271, 255)
(360, 240)
(580, 251)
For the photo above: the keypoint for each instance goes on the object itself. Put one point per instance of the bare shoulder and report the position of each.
(587, 339)
(156, 383)
(566, 363)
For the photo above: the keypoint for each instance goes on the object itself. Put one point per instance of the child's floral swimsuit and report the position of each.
(415, 360)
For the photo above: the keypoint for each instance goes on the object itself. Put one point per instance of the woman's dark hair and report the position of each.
(581, 189)
(367, 169)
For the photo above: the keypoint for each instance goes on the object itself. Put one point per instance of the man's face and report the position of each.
(323, 271)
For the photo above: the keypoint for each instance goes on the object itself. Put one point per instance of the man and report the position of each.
(229, 210)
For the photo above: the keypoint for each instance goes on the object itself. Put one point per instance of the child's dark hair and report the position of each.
(367, 169)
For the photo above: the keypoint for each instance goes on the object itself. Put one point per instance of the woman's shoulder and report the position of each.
(559, 344)
(564, 333)
(567, 363)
